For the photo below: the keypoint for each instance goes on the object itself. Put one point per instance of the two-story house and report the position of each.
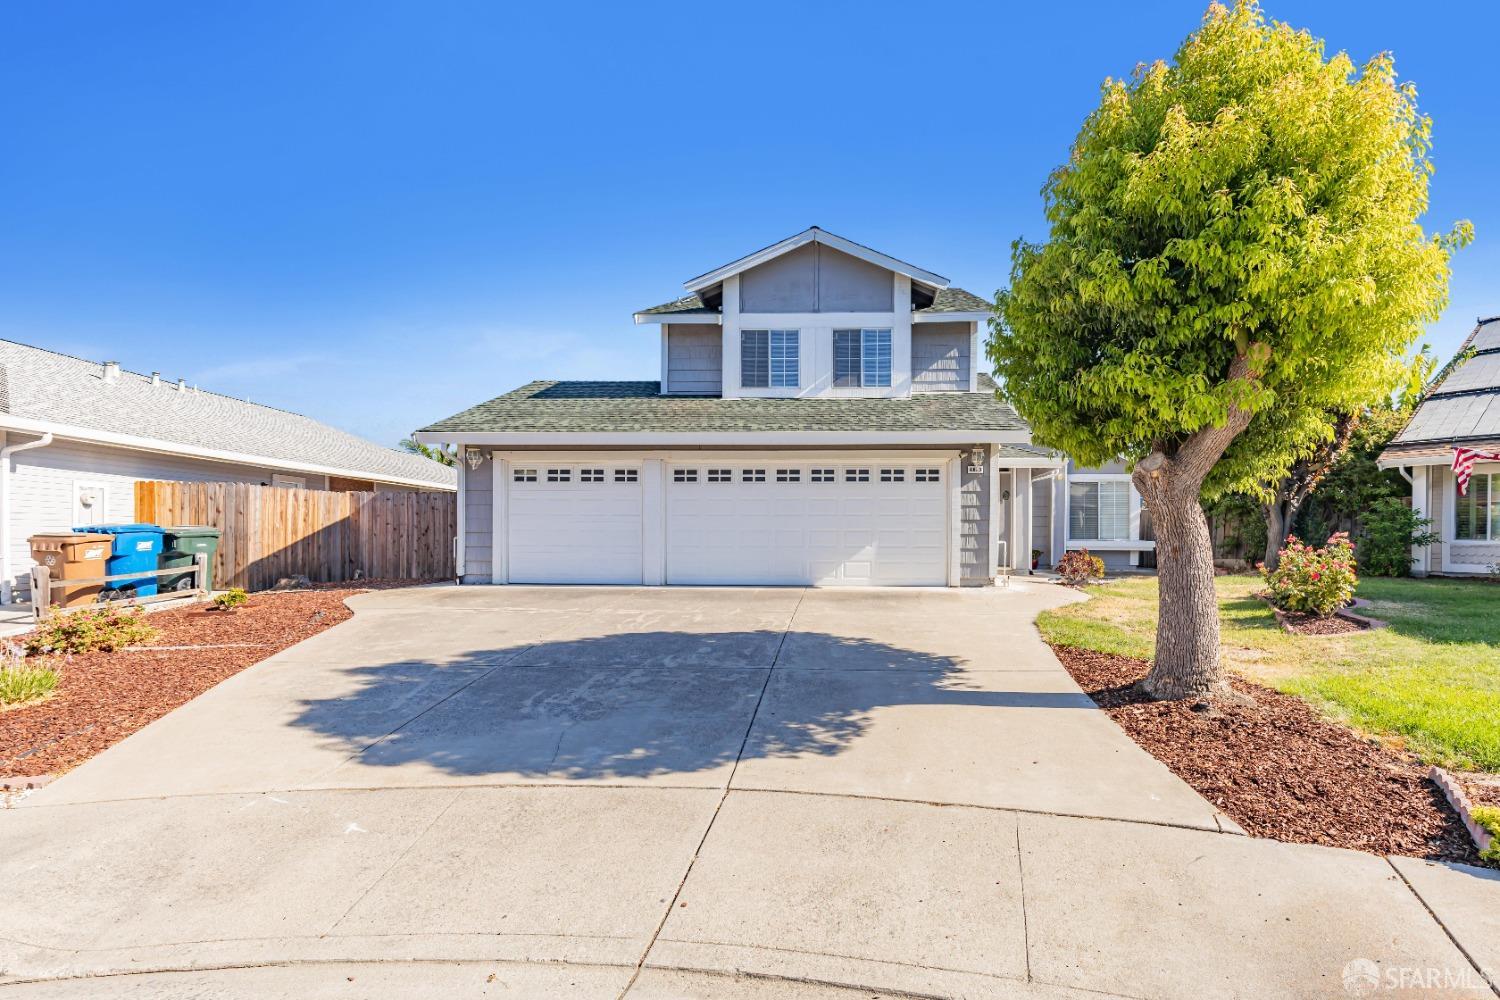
(821, 418)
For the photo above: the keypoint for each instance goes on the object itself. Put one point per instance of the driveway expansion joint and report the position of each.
(744, 741)
(1479, 970)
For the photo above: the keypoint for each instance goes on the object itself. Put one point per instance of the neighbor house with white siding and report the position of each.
(822, 416)
(1461, 409)
(76, 435)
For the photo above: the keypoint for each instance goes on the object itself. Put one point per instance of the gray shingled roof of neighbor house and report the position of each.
(605, 407)
(1465, 406)
(41, 385)
(946, 300)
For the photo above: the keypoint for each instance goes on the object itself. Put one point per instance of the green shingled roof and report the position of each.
(956, 300)
(686, 304)
(603, 407)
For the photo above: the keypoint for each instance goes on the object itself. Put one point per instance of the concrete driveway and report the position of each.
(679, 793)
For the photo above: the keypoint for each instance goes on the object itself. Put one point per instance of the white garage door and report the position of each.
(815, 522)
(574, 524)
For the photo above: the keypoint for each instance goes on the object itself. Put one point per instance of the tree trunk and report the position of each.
(1170, 479)
(1187, 631)
(1276, 525)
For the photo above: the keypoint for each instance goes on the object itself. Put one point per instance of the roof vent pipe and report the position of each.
(156, 378)
(182, 385)
(111, 371)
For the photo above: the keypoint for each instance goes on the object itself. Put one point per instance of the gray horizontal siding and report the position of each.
(695, 359)
(940, 357)
(479, 496)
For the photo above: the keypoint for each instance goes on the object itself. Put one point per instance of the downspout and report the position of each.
(1406, 475)
(7, 594)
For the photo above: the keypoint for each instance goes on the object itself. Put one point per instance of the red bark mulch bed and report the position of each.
(1307, 624)
(104, 697)
(1483, 793)
(1279, 769)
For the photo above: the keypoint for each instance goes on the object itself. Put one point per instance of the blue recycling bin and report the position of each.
(136, 549)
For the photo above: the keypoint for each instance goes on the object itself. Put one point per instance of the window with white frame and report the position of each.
(822, 475)
(524, 475)
(752, 475)
(1099, 510)
(856, 475)
(1476, 514)
(929, 476)
(720, 475)
(789, 475)
(591, 475)
(627, 475)
(861, 358)
(684, 475)
(769, 359)
(559, 475)
(893, 475)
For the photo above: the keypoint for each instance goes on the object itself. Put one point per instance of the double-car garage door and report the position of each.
(828, 521)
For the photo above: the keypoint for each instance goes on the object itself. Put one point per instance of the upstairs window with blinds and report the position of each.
(769, 359)
(1099, 511)
(861, 358)
(1477, 513)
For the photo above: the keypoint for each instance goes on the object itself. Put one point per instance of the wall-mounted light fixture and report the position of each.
(474, 457)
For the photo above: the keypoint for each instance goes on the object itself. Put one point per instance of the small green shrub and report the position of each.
(23, 680)
(1489, 818)
(1390, 529)
(231, 598)
(1079, 567)
(104, 629)
(1311, 580)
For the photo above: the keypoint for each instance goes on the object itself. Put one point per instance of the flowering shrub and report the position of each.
(107, 629)
(1079, 567)
(1312, 580)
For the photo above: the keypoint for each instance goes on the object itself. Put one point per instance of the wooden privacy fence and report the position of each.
(271, 532)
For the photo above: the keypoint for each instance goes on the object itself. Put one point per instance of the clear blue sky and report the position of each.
(378, 214)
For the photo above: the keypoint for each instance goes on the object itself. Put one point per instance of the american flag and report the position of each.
(1463, 464)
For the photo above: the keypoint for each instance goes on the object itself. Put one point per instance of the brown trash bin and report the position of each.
(70, 556)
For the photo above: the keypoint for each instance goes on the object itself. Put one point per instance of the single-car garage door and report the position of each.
(574, 523)
(815, 522)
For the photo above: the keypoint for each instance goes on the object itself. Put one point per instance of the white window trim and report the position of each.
(296, 482)
(1131, 543)
(864, 332)
(790, 336)
(1452, 544)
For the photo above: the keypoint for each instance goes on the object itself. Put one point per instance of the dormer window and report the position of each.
(769, 359)
(861, 358)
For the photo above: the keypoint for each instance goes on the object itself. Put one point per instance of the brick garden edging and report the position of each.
(1456, 797)
(1363, 621)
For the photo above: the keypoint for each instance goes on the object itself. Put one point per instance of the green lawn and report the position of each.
(1431, 681)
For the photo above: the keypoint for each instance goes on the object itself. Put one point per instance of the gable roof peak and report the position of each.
(815, 234)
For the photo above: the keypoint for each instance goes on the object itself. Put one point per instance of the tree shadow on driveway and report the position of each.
(647, 704)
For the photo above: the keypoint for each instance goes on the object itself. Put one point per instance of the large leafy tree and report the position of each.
(1235, 254)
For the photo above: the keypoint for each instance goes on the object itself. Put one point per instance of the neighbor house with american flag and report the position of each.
(1450, 453)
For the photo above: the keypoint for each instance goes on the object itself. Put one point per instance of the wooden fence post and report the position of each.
(41, 591)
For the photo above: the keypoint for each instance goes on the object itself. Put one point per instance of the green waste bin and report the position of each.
(180, 546)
